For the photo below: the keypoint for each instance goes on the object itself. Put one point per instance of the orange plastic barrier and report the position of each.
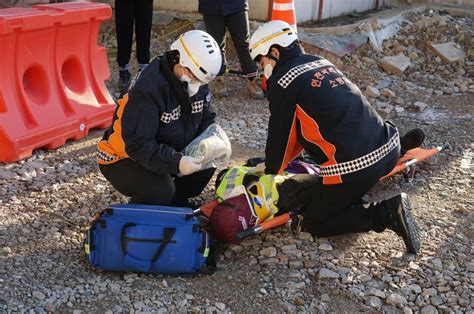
(52, 75)
(284, 10)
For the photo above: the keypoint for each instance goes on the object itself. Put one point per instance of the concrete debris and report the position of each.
(395, 65)
(449, 52)
(337, 45)
(162, 19)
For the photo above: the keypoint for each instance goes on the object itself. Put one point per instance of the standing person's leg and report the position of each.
(215, 26)
(191, 186)
(124, 15)
(238, 24)
(143, 19)
(139, 183)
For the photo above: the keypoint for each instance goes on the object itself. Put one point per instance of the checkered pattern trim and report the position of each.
(362, 162)
(107, 158)
(197, 106)
(296, 71)
(167, 117)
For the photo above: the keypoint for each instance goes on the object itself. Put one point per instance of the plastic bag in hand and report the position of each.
(213, 145)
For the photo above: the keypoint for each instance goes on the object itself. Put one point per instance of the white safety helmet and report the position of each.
(271, 33)
(199, 52)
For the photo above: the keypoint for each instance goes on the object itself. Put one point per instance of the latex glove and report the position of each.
(189, 165)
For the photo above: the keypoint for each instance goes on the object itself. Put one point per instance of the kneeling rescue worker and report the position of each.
(315, 108)
(166, 107)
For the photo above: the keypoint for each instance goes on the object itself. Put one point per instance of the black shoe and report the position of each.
(123, 82)
(414, 138)
(403, 223)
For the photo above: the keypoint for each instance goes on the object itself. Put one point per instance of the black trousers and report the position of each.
(128, 12)
(238, 25)
(147, 187)
(330, 210)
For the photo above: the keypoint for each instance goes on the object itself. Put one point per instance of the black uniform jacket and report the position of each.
(148, 126)
(314, 107)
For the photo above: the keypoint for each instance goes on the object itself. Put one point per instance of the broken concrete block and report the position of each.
(449, 52)
(395, 64)
(162, 19)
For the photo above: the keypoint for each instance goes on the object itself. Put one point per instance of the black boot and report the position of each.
(414, 138)
(402, 221)
(123, 82)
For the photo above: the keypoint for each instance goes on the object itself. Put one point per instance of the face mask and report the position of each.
(193, 85)
(268, 70)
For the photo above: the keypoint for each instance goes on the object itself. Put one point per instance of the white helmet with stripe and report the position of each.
(271, 33)
(199, 52)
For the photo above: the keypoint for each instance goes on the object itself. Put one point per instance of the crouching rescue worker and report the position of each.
(166, 107)
(315, 108)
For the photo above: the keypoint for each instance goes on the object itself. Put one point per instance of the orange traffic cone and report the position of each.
(284, 10)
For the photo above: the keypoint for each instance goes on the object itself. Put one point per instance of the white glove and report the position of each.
(188, 165)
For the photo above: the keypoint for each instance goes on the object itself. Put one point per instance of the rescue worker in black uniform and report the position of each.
(166, 107)
(315, 108)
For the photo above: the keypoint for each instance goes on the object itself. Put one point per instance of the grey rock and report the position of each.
(470, 266)
(269, 252)
(436, 301)
(325, 297)
(326, 273)
(364, 278)
(39, 295)
(436, 262)
(343, 270)
(289, 247)
(397, 300)
(376, 292)
(296, 264)
(220, 306)
(415, 288)
(429, 309)
(325, 247)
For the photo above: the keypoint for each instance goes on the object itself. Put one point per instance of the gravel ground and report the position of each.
(47, 200)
